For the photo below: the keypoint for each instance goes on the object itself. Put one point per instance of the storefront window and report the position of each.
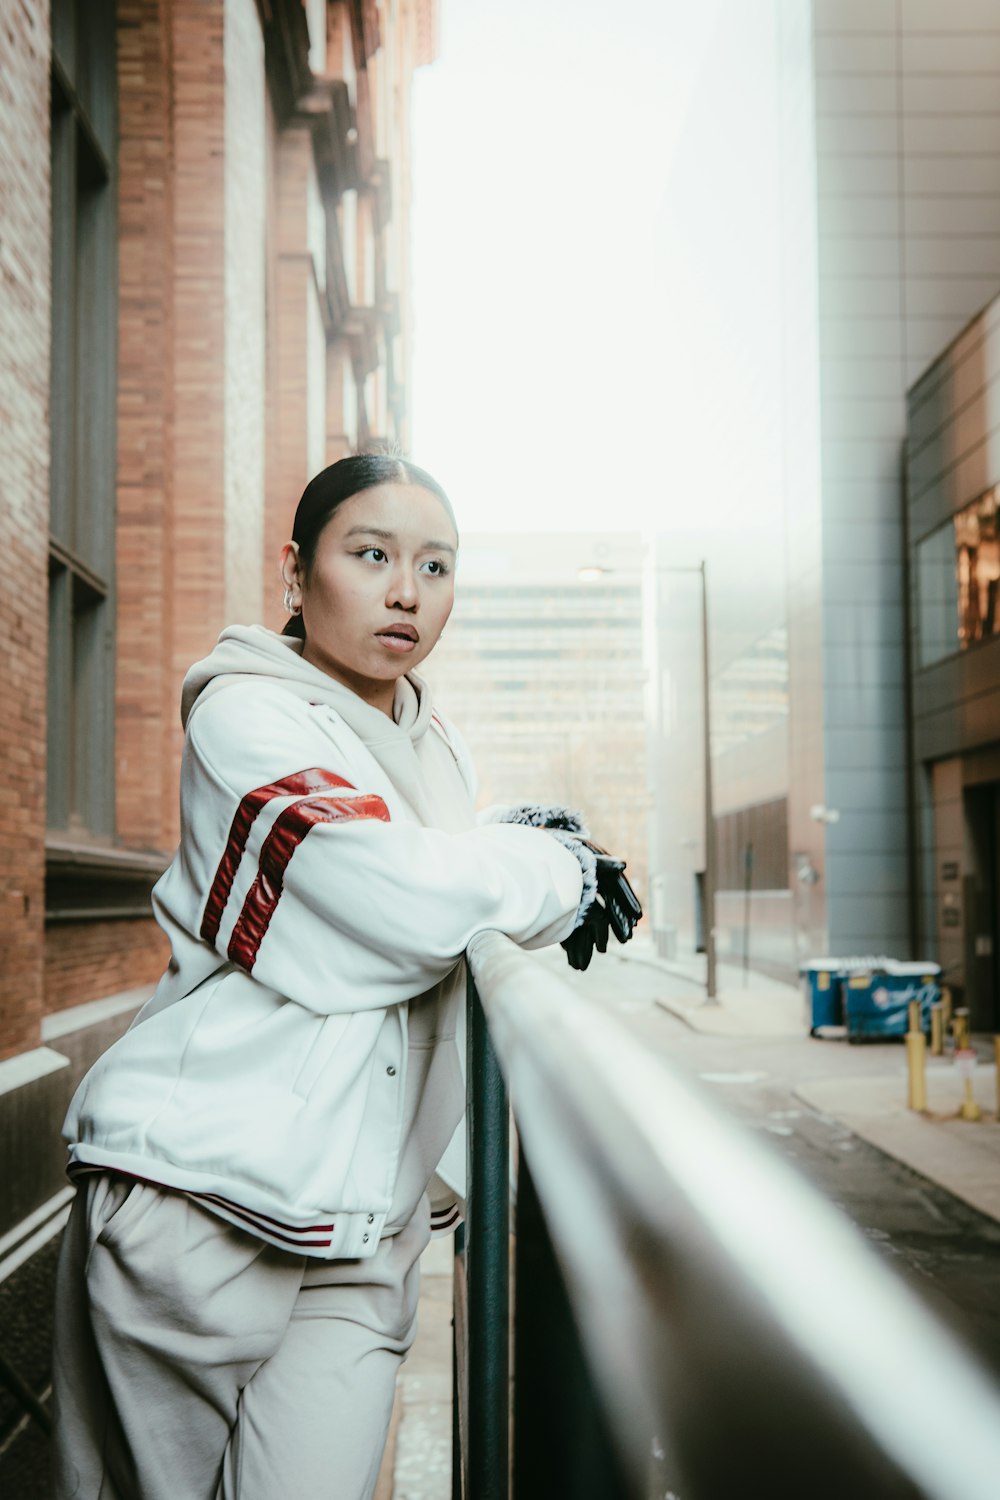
(958, 580)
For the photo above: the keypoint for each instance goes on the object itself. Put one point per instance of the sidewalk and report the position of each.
(961, 1156)
(422, 1423)
(759, 1007)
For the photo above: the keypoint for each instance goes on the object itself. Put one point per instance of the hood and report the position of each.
(246, 651)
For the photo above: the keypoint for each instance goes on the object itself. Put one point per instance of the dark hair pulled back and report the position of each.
(325, 494)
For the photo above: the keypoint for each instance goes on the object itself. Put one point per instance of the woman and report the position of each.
(262, 1156)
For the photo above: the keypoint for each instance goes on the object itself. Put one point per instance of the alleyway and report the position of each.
(944, 1248)
(947, 1250)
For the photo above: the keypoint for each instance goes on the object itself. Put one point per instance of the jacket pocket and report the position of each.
(329, 1032)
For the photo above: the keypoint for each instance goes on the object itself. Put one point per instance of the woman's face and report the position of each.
(380, 589)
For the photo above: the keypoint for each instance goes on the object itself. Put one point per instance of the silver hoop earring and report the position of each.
(291, 607)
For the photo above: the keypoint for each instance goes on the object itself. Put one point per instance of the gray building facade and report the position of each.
(953, 523)
(908, 238)
(887, 143)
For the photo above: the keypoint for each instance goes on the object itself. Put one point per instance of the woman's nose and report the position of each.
(402, 589)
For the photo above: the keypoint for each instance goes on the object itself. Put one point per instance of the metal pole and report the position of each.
(487, 1266)
(710, 987)
(459, 1369)
(747, 887)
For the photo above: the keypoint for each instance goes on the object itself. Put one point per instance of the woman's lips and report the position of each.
(397, 640)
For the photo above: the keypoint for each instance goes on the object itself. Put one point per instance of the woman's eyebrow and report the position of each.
(386, 536)
(390, 536)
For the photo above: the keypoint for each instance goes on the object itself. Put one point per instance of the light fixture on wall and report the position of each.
(822, 814)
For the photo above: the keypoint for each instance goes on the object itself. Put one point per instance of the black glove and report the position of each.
(620, 900)
(609, 903)
(614, 907)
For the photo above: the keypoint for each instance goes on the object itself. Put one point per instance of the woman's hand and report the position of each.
(614, 907)
(608, 903)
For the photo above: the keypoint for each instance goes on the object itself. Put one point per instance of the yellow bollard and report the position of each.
(965, 1062)
(916, 1070)
(937, 1029)
(916, 1061)
(970, 1109)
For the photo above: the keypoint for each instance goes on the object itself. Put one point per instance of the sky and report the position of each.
(595, 264)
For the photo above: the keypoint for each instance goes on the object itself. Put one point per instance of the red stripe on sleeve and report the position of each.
(313, 780)
(289, 829)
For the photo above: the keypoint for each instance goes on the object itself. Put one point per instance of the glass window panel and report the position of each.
(977, 548)
(82, 511)
(958, 581)
(59, 696)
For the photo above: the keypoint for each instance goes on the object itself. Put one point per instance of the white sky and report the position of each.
(595, 263)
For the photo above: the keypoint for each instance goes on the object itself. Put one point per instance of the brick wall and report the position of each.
(24, 514)
(245, 242)
(194, 411)
(296, 387)
(146, 701)
(199, 336)
(278, 507)
(88, 960)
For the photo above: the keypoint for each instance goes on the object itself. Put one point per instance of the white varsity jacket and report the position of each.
(329, 877)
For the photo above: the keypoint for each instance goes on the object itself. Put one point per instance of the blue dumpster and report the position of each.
(824, 996)
(877, 1003)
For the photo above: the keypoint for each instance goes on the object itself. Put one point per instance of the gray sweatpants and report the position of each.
(194, 1362)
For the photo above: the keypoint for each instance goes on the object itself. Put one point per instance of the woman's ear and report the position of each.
(290, 567)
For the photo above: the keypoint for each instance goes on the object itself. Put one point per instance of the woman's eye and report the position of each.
(375, 553)
(435, 567)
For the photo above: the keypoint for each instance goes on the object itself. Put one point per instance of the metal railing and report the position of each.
(691, 1321)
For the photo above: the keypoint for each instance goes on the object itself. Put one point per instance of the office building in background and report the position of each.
(541, 668)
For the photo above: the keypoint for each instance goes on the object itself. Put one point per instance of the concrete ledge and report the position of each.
(93, 1013)
(35, 1090)
(32, 1154)
(28, 1067)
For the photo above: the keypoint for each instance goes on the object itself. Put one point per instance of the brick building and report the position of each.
(203, 299)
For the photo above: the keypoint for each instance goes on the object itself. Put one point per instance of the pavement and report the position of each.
(863, 1088)
(421, 1462)
(961, 1156)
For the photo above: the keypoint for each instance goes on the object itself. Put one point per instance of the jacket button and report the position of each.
(391, 1071)
(371, 1218)
(364, 1239)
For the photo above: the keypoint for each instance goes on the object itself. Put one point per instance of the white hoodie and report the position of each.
(296, 1069)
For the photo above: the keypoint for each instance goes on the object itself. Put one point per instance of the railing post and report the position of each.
(562, 1445)
(459, 1371)
(487, 1266)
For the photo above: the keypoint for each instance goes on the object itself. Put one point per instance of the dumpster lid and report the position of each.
(869, 963)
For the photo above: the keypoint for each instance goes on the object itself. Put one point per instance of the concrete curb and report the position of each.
(961, 1156)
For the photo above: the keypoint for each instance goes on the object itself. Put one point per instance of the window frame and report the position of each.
(80, 802)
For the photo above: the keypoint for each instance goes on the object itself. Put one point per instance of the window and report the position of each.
(83, 382)
(751, 847)
(958, 581)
